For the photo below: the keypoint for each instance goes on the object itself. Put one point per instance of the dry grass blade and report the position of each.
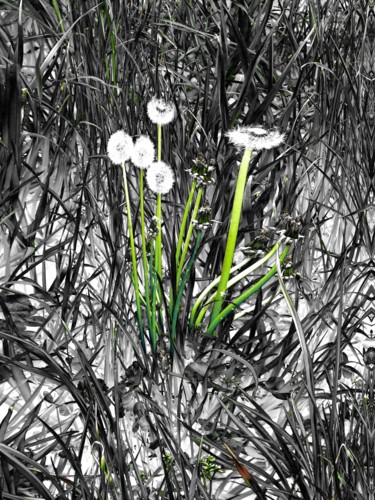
(245, 474)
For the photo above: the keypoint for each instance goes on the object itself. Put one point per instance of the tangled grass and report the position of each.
(275, 399)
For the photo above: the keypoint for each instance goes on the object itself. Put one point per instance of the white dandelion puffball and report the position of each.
(120, 147)
(256, 138)
(160, 111)
(160, 177)
(143, 153)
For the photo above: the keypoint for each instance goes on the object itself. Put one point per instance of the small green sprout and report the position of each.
(168, 461)
(208, 467)
(143, 476)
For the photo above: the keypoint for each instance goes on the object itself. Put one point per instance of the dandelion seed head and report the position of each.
(259, 131)
(160, 177)
(160, 112)
(143, 153)
(120, 147)
(256, 138)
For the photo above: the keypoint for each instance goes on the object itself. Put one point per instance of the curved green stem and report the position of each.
(251, 309)
(201, 315)
(232, 234)
(231, 282)
(211, 286)
(134, 257)
(254, 289)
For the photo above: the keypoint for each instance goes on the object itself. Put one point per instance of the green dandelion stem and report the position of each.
(201, 315)
(134, 257)
(159, 142)
(232, 235)
(231, 282)
(55, 5)
(144, 249)
(184, 221)
(180, 292)
(189, 234)
(158, 256)
(114, 61)
(207, 290)
(153, 287)
(181, 237)
(251, 291)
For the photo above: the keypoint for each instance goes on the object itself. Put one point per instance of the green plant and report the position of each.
(208, 468)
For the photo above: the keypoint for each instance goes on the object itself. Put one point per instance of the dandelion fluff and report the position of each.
(143, 153)
(160, 111)
(120, 147)
(256, 138)
(160, 177)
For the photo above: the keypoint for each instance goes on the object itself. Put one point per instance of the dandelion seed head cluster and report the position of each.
(160, 112)
(143, 152)
(256, 138)
(203, 220)
(201, 171)
(160, 177)
(120, 147)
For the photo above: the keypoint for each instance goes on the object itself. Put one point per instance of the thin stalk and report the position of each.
(134, 258)
(114, 62)
(210, 287)
(159, 142)
(309, 371)
(201, 315)
(251, 309)
(158, 255)
(231, 282)
(184, 221)
(301, 337)
(181, 237)
(337, 367)
(232, 236)
(55, 4)
(188, 235)
(251, 291)
(181, 292)
(153, 288)
(144, 249)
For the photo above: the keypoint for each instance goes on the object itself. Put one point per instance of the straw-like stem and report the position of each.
(134, 273)
(232, 236)
(231, 282)
(246, 295)
(189, 235)
(144, 247)
(181, 292)
(184, 221)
